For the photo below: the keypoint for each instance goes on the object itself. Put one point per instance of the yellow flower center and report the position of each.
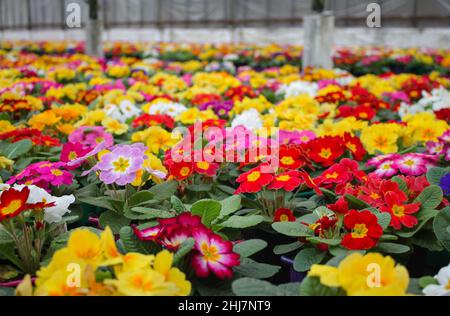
(398, 210)
(98, 140)
(121, 165)
(351, 146)
(255, 175)
(284, 218)
(210, 252)
(409, 163)
(12, 207)
(287, 160)
(56, 172)
(203, 165)
(374, 195)
(359, 231)
(333, 175)
(184, 171)
(73, 155)
(325, 153)
(386, 166)
(380, 141)
(283, 178)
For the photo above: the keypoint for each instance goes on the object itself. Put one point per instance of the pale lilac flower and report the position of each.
(121, 164)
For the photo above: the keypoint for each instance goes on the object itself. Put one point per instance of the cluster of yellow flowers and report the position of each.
(73, 270)
(361, 275)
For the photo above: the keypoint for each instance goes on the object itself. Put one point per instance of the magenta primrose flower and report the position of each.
(121, 164)
(213, 254)
(91, 136)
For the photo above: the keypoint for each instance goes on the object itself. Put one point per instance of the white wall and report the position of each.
(398, 37)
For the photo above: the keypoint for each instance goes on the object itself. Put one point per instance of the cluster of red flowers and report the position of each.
(415, 86)
(202, 98)
(34, 135)
(328, 149)
(211, 253)
(147, 120)
(239, 93)
(384, 195)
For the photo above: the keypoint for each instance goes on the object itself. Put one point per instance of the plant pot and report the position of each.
(294, 276)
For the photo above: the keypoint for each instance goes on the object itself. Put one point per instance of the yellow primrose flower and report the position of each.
(371, 274)
(91, 118)
(423, 127)
(260, 103)
(5, 162)
(44, 119)
(189, 116)
(66, 129)
(161, 280)
(114, 126)
(118, 71)
(381, 137)
(6, 126)
(62, 74)
(156, 138)
(151, 163)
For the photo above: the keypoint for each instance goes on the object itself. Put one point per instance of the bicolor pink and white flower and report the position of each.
(411, 165)
(213, 255)
(386, 169)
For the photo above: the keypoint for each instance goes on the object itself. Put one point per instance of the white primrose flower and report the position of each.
(441, 289)
(299, 87)
(172, 109)
(52, 214)
(249, 118)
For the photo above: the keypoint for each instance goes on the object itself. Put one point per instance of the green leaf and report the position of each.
(427, 280)
(293, 229)
(253, 269)
(177, 204)
(401, 184)
(17, 149)
(423, 216)
(113, 220)
(204, 187)
(255, 287)
(207, 209)
(355, 203)
(132, 244)
(331, 242)
(384, 219)
(441, 223)
(102, 202)
(236, 221)
(146, 213)
(7, 252)
(389, 247)
(435, 174)
(342, 252)
(165, 190)
(185, 247)
(307, 257)
(140, 198)
(286, 248)
(230, 205)
(311, 286)
(249, 247)
(430, 198)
